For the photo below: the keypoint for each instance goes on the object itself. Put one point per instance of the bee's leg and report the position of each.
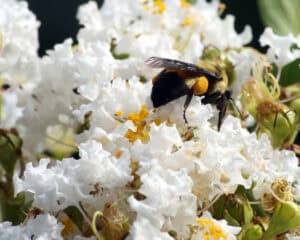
(221, 102)
(211, 98)
(222, 106)
(186, 104)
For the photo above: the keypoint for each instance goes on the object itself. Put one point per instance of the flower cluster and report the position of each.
(85, 155)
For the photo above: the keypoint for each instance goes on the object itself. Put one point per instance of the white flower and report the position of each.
(42, 227)
(19, 63)
(243, 62)
(10, 112)
(19, 32)
(168, 201)
(71, 181)
(63, 71)
(117, 96)
(280, 51)
(162, 142)
(221, 33)
(210, 228)
(143, 229)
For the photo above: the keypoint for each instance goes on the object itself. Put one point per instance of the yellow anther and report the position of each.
(157, 121)
(139, 122)
(159, 6)
(138, 117)
(185, 4)
(119, 113)
(119, 153)
(201, 85)
(213, 231)
(188, 21)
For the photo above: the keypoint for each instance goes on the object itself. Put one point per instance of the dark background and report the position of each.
(58, 20)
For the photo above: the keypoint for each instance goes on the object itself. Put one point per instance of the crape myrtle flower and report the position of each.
(141, 172)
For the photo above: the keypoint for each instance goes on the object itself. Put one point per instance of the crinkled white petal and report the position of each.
(42, 227)
(230, 231)
(120, 95)
(243, 62)
(163, 140)
(280, 51)
(19, 63)
(70, 180)
(10, 112)
(168, 201)
(142, 228)
(233, 153)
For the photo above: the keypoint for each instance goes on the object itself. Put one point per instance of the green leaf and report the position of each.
(281, 15)
(15, 210)
(290, 73)
(230, 220)
(219, 207)
(76, 216)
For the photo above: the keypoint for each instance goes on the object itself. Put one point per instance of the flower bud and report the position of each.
(276, 120)
(251, 231)
(295, 106)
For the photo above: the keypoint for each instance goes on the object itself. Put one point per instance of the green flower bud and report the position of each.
(277, 120)
(260, 97)
(295, 105)
(285, 217)
(251, 231)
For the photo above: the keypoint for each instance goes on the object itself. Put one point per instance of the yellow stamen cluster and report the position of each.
(188, 21)
(213, 231)
(158, 7)
(185, 4)
(138, 119)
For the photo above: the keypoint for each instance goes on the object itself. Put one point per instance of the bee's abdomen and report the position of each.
(167, 87)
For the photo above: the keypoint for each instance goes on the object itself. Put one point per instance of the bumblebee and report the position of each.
(179, 78)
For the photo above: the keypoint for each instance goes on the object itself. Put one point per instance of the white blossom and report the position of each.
(280, 49)
(70, 181)
(42, 227)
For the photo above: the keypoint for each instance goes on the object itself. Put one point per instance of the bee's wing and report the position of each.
(176, 65)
